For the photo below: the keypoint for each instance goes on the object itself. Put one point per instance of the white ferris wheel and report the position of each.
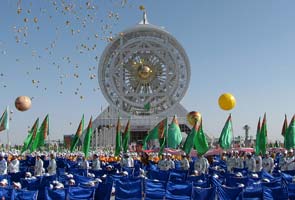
(144, 71)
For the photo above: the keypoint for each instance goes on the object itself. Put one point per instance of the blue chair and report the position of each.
(6, 193)
(55, 194)
(128, 190)
(291, 191)
(82, 179)
(286, 178)
(104, 190)
(279, 193)
(116, 177)
(7, 177)
(290, 172)
(46, 180)
(228, 193)
(80, 193)
(201, 183)
(196, 178)
(25, 195)
(154, 189)
(60, 171)
(204, 193)
(158, 174)
(235, 181)
(253, 192)
(31, 184)
(15, 177)
(178, 175)
(98, 173)
(273, 183)
(176, 191)
(130, 171)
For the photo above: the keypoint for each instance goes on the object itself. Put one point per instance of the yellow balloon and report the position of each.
(193, 116)
(227, 101)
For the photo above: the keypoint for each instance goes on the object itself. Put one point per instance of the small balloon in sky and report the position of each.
(19, 10)
(141, 7)
(23, 103)
(227, 101)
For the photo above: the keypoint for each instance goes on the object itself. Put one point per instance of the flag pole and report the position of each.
(7, 133)
(167, 132)
(7, 130)
(232, 130)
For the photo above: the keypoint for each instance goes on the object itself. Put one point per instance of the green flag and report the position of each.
(118, 138)
(189, 142)
(201, 143)
(174, 134)
(87, 138)
(263, 136)
(285, 126)
(147, 106)
(257, 143)
(79, 132)
(126, 137)
(157, 133)
(4, 120)
(226, 135)
(41, 134)
(290, 135)
(29, 138)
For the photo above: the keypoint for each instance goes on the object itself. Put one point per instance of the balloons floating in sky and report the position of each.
(193, 116)
(227, 101)
(23, 103)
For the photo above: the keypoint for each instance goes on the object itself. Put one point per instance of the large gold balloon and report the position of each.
(227, 101)
(23, 103)
(193, 116)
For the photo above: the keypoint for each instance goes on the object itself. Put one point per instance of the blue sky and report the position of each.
(246, 48)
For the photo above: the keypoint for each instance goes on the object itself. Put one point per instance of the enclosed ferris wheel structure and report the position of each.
(143, 73)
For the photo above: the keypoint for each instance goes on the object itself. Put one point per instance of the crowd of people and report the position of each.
(13, 162)
(10, 162)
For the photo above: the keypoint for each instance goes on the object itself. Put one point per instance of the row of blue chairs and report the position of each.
(154, 189)
(10, 193)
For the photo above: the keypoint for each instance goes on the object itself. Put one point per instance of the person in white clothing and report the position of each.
(96, 162)
(13, 166)
(250, 163)
(230, 162)
(258, 160)
(127, 161)
(52, 165)
(267, 163)
(3, 164)
(38, 166)
(290, 165)
(85, 163)
(184, 163)
(239, 160)
(162, 164)
(282, 161)
(201, 165)
(169, 162)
